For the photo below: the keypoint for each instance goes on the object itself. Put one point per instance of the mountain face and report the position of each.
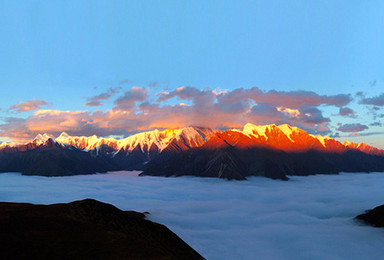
(272, 151)
(86, 229)
(234, 155)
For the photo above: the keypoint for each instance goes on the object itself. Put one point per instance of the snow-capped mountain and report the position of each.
(269, 150)
(365, 148)
(291, 139)
(281, 137)
(179, 139)
(41, 139)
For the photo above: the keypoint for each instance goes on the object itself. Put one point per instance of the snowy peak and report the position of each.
(63, 136)
(195, 136)
(142, 141)
(257, 131)
(189, 137)
(293, 139)
(41, 139)
(85, 142)
(145, 142)
(284, 137)
(269, 131)
(363, 147)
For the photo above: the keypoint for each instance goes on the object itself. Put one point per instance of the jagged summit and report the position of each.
(40, 139)
(63, 135)
(178, 138)
(364, 148)
(266, 130)
(284, 137)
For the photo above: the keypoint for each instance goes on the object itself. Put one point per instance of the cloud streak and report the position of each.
(96, 101)
(29, 105)
(352, 128)
(375, 101)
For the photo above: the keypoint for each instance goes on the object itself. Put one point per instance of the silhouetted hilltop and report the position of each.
(86, 229)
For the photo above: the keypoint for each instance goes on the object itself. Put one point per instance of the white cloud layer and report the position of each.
(304, 218)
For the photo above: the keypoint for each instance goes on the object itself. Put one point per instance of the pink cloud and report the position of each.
(346, 111)
(29, 105)
(135, 111)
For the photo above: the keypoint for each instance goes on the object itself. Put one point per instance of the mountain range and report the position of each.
(273, 151)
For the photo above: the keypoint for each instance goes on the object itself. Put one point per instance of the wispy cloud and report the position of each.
(352, 128)
(376, 101)
(372, 83)
(29, 105)
(128, 100)
(376, 124)
(97, 100)
(347, 112)
(153, 84)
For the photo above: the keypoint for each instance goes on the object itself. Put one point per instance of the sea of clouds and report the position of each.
(304, 218)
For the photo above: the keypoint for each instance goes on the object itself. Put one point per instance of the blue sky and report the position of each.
(63, 52)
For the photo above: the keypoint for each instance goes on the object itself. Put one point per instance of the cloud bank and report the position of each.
(140, 108)
(305, 218)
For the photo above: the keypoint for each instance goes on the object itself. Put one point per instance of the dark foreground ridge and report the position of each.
(373, 217)
(86, 229)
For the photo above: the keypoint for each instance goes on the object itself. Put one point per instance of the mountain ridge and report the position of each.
(283, 137)
(273, 151)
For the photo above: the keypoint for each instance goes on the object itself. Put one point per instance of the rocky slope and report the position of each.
(86, 229)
